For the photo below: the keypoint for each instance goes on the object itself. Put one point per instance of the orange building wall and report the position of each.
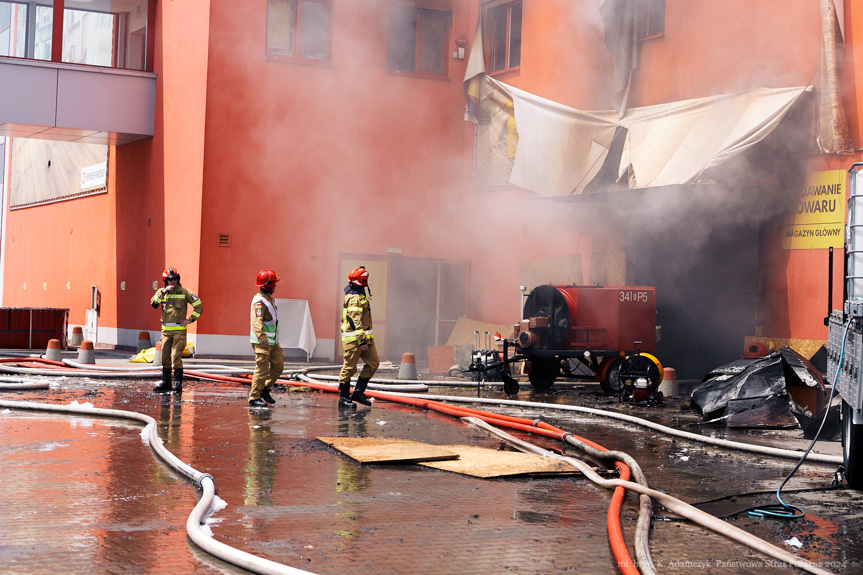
(160, 179)
(48, 246)
(301, 163)
(725, 47)
(563, 55)
(719, 47)
(343, 158)
(796, 281)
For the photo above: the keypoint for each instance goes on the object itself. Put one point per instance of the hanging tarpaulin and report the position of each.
(472, 74)
(560, 149)
(621, 39)
(674, 143)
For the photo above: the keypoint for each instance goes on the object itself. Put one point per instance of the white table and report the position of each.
(296, 329)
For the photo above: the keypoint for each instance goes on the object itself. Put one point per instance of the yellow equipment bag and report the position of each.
(147, 355)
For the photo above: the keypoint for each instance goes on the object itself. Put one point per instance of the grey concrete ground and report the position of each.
(87, 495)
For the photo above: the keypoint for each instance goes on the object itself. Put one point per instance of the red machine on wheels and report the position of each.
(611, 331)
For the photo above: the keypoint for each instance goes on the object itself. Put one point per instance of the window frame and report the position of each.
(447, 18)
(643, 22)
(490, 9)
(46, 37)
(296, 36)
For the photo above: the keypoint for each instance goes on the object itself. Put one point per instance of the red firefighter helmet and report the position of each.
(267, 279)
(170, 274)
(359, 276)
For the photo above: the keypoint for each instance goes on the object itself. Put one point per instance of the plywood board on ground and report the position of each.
(484, 462)
(388, 450)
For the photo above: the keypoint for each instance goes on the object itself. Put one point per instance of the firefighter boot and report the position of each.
(359, 391)
(178, 380)
(165, 386)
(344, 395)
(265, 395)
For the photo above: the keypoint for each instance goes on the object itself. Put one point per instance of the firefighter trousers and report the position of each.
(269, 364)
(353, 354)
(173, 344)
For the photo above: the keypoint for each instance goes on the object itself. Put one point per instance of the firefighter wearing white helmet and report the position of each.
(358, 339)
(264, 337)
(174, 300)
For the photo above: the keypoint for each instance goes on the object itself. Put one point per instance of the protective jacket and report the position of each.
(264, 320)
(356, 317)
(175, 304)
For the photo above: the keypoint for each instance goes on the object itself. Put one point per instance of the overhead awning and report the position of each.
(556, 150)
(674, 143)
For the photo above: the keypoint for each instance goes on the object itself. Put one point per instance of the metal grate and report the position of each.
(547, 301)
(224, 240)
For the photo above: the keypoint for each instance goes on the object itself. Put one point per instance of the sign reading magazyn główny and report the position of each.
(818, 217)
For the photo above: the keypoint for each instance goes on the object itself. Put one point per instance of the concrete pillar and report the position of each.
(77, 336)
(668, 385)
(144, 341)
(408, 367)
(54, 352)
(86, 354)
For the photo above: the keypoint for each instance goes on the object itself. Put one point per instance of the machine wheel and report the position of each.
(611, 383)
(510, 384)
(852, 448)
(543, 372)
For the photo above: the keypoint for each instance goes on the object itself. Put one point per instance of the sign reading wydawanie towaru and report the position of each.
(818, 217)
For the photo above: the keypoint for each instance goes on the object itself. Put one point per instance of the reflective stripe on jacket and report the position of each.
(174, 305)
(264, 320)
(357, 319)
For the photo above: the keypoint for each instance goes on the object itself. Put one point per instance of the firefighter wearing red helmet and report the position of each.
(174, 300)
(357, 339)
(264, 337)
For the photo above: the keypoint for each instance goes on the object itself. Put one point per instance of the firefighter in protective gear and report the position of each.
(357, 339)
(174, 300)
(264, 337)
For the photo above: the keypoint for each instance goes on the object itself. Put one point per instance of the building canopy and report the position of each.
(555, 150)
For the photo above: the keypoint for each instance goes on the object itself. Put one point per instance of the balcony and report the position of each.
(88, 80)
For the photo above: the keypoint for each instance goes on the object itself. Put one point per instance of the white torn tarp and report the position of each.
(560, 149)
(674, 143)
(556, 150)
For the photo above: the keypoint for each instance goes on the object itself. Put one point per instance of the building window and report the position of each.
(417, 41)
(298, 30)
(94, 37)
(650, 18)
(503, 33)
(13, 26)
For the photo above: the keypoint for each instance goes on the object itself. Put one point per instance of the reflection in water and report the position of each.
(170, 420)
(351, 476)
(170, 423)
(260, 471)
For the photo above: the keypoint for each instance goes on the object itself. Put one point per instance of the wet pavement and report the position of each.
(87, 495)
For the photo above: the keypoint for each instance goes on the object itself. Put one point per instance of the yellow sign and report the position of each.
(818, 217)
